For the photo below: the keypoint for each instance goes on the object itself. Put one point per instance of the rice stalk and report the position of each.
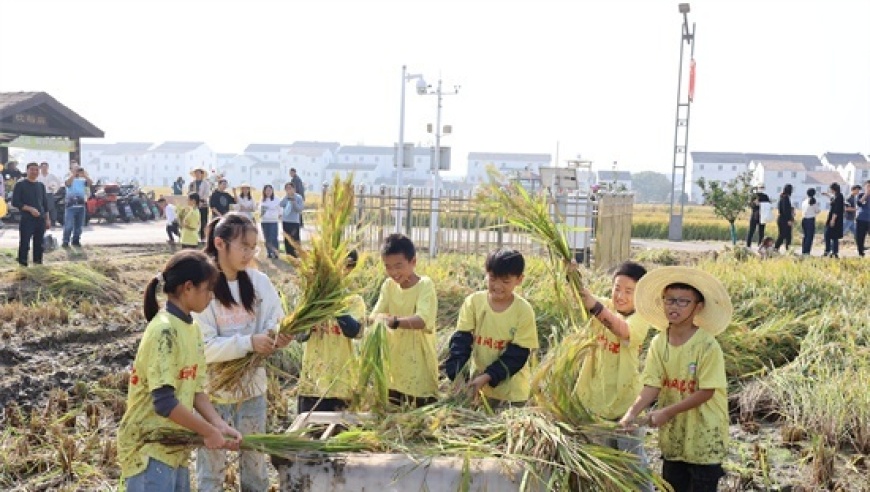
(324, 286)
(554, 382)
(373, 381)
(532, 213)
(72, 281)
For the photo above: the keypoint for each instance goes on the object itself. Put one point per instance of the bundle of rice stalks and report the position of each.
(532, 214)
(321, 271)
(72, 281)
(372, 381)
(286, 446)
(554, 382)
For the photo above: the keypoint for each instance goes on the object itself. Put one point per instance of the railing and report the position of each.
(600, 227)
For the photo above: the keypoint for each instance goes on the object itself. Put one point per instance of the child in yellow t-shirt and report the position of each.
(610, 379)
(408, 305)
(496, 330)
(189, 220)
(685, 371)
(166, 384)
(323, 382)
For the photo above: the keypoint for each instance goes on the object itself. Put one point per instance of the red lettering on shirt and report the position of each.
(134, 378)
(681, 385)
(492, 343)
(188, 372)
(605, 344)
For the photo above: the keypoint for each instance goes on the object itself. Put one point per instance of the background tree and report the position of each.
(651, 187)
(728, 199)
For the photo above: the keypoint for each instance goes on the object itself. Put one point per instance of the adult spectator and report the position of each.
(300, 190)
(178, 186)
(77, 184)
(785, 218)
(850, 210)
(809, 210)
(28, 196)
(220, 200)
(202, 188)
(756, 220)
(862, 219)
(52, 183)
(292, 218)
(11, 172)
(834, 222)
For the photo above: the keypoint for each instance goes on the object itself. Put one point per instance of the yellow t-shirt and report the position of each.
(189, 221)
(700, 435)
(413, 360)
(492, 332)
(609, 380)
(327, 354)
(171, 353)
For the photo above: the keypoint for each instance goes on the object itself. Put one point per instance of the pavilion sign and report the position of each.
(41, 143)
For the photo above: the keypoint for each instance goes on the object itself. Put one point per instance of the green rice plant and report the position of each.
(287, 445)
(372, 372)
(663, 257)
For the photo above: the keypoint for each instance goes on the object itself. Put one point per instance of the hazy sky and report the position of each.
(599, 77)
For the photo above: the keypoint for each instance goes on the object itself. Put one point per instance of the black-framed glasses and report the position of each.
(679, 301)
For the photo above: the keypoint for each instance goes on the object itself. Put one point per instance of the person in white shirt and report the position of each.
(52, 183)
(245, 201)
(240, 320)
(270, 218)
(171, 219)
(809, 209)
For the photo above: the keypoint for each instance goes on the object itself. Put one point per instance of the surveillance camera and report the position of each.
(421, 86)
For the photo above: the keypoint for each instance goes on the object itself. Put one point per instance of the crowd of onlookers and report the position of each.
(846, 214)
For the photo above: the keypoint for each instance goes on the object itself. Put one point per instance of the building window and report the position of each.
(864, 174)
(242, 168)
(779, 174)
(720, 167)
(346, 158)
(794, 174)
(376, 158)
(700, 167)
(733, 168)
(313, 160)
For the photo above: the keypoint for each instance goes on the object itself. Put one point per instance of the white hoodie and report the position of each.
(227, 331)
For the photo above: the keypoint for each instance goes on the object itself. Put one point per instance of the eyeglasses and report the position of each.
(248, 250)
(681, 302)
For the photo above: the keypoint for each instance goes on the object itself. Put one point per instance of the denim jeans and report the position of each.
(848, 226)
(270, 234)
(73, 220)
(291, 229)
(160, 476)
(832, 242)
(809, 228)
(248, 417)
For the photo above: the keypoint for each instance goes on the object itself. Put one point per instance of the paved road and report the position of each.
(154, 232)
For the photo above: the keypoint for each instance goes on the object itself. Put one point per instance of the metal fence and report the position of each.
(598, 229)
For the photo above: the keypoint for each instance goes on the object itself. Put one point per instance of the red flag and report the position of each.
(692, 80)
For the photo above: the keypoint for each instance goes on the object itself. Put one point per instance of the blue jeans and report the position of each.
(848, 226)
(270, 234)
(160, 476)
(248, 417)
(809, 228)
(73, 220)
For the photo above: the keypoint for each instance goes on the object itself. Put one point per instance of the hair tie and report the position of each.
(159, 278)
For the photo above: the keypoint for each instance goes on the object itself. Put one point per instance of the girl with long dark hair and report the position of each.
(785, 219)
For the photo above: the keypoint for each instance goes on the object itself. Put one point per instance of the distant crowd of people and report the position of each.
(846, 214)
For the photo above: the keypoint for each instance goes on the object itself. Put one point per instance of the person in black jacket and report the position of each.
(785, 219)
(755, 219)
(29, 197)
(834, 222)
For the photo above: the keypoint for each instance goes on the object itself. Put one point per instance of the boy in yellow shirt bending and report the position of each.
(685, 371)
(497, 331)
(189, 220)
(408, 305)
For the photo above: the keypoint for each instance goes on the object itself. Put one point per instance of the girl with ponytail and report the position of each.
(809, 208)
(166, 384)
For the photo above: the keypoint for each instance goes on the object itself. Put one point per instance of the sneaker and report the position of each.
(65, 245)
(77, 244)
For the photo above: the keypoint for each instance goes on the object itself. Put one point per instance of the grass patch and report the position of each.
(69, 281)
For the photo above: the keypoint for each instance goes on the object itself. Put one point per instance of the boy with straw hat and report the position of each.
(685, 371)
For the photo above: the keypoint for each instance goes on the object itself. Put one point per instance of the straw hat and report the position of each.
(198, 168)
(713, 317)
(244, 185)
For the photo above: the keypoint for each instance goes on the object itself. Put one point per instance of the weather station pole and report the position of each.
(436, 168)
(681, 131)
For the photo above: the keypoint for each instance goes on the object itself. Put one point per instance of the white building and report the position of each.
(266, 152)
(713, 166)
(169, 160)
(368, 163)
(310, 159)
(262, 173)
(58, 162)
(508, 164)
(776, 174)
(237, 169)
(121, 162)
(854, 168)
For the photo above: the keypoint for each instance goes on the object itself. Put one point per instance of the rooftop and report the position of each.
(177, 147)
(781, 165)
(838, 158)
(265, 147)
(497, 156)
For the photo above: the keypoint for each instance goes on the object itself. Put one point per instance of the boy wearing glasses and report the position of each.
(685, 372)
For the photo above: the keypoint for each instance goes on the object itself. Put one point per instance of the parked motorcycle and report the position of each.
(103, 204)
